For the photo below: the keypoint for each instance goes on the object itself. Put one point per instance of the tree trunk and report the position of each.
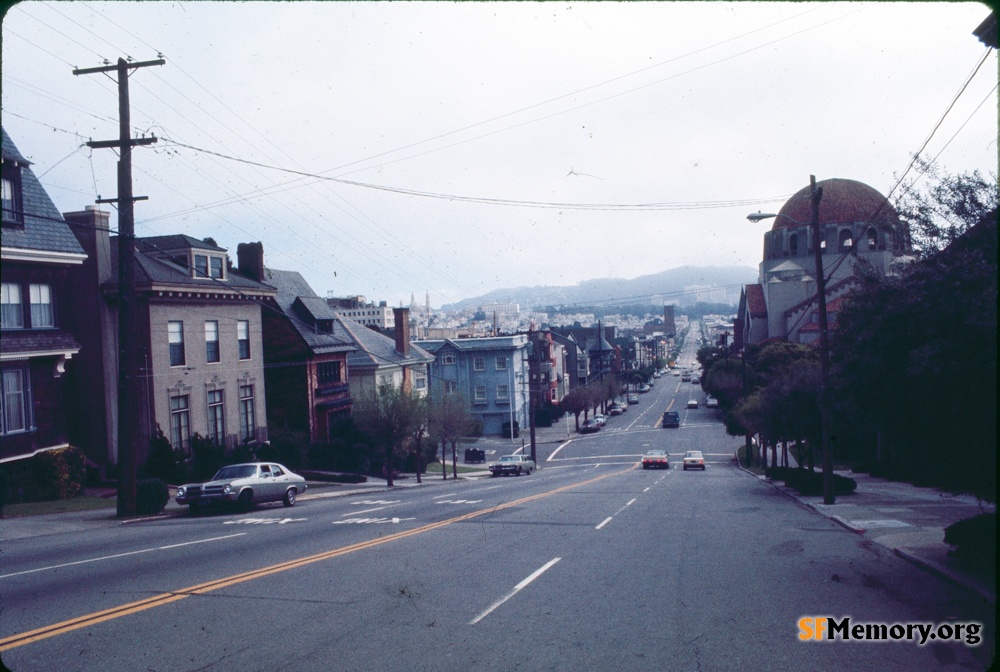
(454, 458)
(420, 459)
(747, 450)
(444, 459)
(388, 466)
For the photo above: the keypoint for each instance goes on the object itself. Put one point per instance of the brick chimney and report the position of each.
(250, 260)
(92, 230)
(402, 317)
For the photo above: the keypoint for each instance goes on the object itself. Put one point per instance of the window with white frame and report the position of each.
(208, 266)
(480, 397)
(216, 417)
(501, 363)
(243, 338)
(479, 364)
(450, 387)
(247, 422)
(503, 393)
(16, 404)
(175, 340)
(42, 314)
(448, 358)
(11, 307)
(212, 341)
(420, 382)
(180, 423)
(13, 210)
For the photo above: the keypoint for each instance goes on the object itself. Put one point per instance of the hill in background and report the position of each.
(683, 286)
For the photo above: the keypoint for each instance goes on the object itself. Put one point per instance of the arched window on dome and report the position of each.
(872, 239)
(793, 244)
(846, 240)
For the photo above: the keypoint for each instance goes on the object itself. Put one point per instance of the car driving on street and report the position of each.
(671, 419)
(656, 459)
(693, 459)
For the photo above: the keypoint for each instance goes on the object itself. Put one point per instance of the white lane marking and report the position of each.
(646, 490)
(370, 502)
(459, 501)
(604, 522)
(263, 521)
(357, 513)
(561, 446)
(534, 575)
(121, 555)
(373, 521)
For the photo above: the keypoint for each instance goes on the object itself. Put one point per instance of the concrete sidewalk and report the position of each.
(908, 520)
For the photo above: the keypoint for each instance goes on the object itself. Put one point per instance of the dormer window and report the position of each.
(13, 208)
(208, 266)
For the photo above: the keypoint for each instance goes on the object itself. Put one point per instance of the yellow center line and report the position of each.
(88, 620)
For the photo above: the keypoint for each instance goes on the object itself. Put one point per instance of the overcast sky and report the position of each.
(388, 148)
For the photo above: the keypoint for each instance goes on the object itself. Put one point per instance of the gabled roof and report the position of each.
(475, 344)
(153, 267)
(45, 230)
(375, 350)
(293, 290)
(756, 304)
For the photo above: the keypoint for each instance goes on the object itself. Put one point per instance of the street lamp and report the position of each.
(815, 195)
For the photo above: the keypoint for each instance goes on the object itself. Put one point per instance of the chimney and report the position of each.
(91, 228)
(402, 317)
(250, 260)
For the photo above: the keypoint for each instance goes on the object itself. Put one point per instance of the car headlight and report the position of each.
(181, 491)
(228, 489)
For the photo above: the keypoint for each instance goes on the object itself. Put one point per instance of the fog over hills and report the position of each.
(681, 286)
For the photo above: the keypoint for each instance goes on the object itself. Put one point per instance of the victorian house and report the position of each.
(304, 350)
(39, 255)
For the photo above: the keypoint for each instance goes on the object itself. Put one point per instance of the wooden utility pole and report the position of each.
(815, 195)
(127, 328)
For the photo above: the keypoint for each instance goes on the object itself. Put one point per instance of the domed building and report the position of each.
(857, 224)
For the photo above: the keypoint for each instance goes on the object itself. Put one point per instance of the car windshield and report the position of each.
(235, 471)
(509, 458)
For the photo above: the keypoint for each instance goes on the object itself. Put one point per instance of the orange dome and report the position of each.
(843, 202)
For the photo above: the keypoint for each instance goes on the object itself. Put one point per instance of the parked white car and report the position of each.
(245, 485)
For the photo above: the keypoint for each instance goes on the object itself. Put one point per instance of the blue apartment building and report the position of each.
(490, 374)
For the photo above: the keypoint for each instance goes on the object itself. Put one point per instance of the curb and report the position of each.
(914, 559)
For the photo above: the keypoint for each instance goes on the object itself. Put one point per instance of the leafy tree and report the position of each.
(389, 417)
(915, 355)
(576, 403)
(940, 215)
(449, 420)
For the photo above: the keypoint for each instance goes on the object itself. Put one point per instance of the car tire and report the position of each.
(289, 499)
(685, 467)
(245, 501)
(194, 508)
(528, 472)
(518, 472)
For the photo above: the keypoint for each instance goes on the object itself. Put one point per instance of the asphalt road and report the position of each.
(588, 564)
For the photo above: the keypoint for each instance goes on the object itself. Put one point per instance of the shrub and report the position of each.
(151, 495)
(975, 538)
(810, 483)
(163, 461)
(207, 457)
(55, 474)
